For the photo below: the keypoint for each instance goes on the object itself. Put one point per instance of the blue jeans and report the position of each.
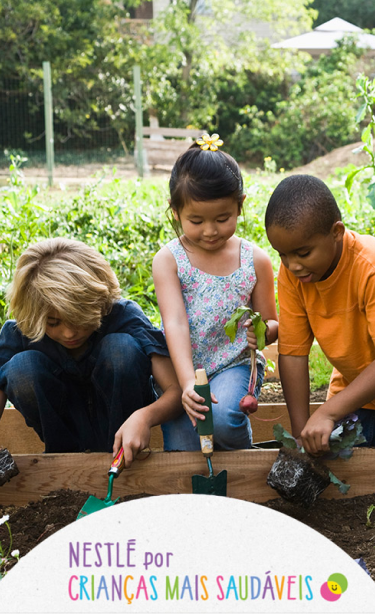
(232, 428)
(79, 406)
(367, 418)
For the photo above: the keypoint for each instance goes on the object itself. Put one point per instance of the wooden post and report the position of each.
(48, 119)
(138, 119)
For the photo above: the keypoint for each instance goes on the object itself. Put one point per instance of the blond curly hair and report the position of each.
(62, 275)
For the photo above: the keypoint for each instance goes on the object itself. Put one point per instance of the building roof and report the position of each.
(324, 38)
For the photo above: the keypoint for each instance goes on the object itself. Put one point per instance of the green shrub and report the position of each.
(315, 116)
(127, 223)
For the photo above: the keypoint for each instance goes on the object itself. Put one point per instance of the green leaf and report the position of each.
(367, 136)
(346, 435)
(231, 326)
(371, 195)
(370, 509)
(260, 326)
(368, 150)
(285, 438)
(343, 488)
(358, 149)
(350, 178)
(361, 113)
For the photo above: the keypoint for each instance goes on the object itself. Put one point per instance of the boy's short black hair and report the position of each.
(303, 199)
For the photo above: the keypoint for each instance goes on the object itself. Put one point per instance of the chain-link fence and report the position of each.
(22, 130)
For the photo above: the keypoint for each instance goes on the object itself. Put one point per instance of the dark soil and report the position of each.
(272, 392)
(343, 521)
(36, 521)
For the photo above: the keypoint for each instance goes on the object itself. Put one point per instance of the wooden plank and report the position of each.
(16, 435)
(20, 439)
(162, 473)
(165, 146)
(274, 412)
(164, 153)
(174, 132)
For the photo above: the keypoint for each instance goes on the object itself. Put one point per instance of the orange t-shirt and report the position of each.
(339, 312)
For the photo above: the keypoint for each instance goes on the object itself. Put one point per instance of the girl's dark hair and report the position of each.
(204, 175)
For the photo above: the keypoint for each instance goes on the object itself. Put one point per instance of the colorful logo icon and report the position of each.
(335, 586)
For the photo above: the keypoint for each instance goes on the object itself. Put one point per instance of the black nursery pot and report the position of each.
(8, 467)
(298, 477)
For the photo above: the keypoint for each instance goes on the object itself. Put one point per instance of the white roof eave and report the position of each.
(325, 37)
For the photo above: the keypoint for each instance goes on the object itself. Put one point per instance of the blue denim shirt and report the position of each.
(126, 317)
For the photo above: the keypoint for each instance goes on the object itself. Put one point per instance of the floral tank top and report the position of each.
(210, 300)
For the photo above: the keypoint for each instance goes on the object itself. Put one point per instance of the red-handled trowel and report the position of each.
(93, 504)
(214, 484)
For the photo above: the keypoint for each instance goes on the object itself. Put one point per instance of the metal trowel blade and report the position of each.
(213, 485)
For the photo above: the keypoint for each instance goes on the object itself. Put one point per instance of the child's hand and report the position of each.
(250, 335)
(133, 435)
(315, 434)
(192, 404)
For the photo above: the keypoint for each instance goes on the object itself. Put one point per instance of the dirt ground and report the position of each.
(338, 158)
(72, 176)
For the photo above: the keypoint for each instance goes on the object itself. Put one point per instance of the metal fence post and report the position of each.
(48, 119)
(138, 119)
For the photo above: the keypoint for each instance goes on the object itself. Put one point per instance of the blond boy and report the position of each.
(77, 361)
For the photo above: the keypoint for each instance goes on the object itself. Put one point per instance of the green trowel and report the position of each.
(93, 504)
(213, 484)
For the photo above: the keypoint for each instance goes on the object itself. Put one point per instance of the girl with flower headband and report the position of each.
(200, 278)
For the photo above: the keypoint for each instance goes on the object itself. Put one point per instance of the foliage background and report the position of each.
(127, 222)
(202, 68)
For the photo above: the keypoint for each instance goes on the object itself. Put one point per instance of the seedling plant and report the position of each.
(249, 403)
(370, 509)
(7, 555)
(307, 471)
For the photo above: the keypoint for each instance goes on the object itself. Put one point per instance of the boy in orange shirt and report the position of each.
(326, 290)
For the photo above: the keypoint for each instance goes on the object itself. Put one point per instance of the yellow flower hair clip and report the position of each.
(212, 142)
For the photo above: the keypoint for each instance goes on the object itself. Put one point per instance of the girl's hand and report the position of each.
(192, 404)
(250, 335)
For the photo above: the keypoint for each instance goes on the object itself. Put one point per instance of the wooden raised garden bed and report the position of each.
(160, 472)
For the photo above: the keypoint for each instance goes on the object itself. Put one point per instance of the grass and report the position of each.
(320, 368)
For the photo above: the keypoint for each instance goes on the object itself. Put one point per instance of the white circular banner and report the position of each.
(187, 553)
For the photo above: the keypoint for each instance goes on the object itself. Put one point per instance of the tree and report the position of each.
(361, 14)
(85, 41)
(194, 54)
(315, 116)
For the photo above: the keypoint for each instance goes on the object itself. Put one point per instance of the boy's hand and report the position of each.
(133, 435)
(192, 404)
(250, 335)
(316, 432)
